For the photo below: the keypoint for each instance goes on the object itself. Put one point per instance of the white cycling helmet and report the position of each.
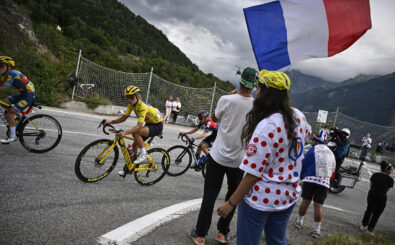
(346, 131)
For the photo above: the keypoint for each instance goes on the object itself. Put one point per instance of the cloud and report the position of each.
(214, 36)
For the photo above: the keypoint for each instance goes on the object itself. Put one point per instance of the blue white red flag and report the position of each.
(318, 161)
(287, 31)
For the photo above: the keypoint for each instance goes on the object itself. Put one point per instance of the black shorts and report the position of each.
(210, 139)
(154, 129)
(314, 191)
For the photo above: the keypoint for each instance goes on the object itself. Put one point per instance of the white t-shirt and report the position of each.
(227, 149)
(269, 156)
(175, 105)
(169, 103)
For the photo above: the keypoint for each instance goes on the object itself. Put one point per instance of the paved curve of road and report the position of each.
(43, 202)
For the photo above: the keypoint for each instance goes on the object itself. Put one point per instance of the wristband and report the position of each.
(233, 206)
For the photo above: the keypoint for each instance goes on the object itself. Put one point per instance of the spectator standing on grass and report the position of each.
(366, 145)
(225, 157)
(169, 105)
(275, 133)
(318, 166)
(380, 183)
(176, 107)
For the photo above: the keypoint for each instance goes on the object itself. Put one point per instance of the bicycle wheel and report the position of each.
(88, 167)
(181, 159)
(40, 133)
(154, 168)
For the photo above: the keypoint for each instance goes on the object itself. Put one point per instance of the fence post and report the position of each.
(334, 123)
(76, 73)
(149, 83)
(212, 98)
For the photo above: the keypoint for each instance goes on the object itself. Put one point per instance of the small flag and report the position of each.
(287, 31)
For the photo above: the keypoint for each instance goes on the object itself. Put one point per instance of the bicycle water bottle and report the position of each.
(130, 150)
(201, 159)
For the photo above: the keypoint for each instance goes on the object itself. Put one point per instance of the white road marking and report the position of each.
(136, 229)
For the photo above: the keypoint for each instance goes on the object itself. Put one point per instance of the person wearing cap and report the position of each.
(380, 183)
(225, 157)
(9, 77)
(366, 145)
(274, 137)
(317, 167)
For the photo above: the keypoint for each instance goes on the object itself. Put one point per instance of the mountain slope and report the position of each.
(371, 101)
(302, 82)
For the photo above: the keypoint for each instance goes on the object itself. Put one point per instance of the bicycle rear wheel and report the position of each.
(154, 168)
(88, 167)
(181, 159)
(40, 133)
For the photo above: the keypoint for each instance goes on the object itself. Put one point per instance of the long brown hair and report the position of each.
(268, 102)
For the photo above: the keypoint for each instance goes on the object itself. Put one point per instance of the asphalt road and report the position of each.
(43, 202)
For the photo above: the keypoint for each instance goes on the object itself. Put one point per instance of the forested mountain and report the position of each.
(371, 101)
(106, 31)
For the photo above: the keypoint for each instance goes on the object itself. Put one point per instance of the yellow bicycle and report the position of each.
(99, 158)
(38, 133)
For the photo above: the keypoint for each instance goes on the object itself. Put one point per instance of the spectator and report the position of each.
(176, 107)
(225, 157)
(366, 145)
(317, 167)
(380, 183)
(379, 148)
(169, 105)
(276, 134)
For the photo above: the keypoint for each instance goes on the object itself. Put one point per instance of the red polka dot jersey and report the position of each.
(269, 157)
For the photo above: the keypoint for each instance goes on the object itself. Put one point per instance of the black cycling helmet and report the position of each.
(202, 114)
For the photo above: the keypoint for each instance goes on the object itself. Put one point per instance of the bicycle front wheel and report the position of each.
(40, 133)
(181, 159)
(154, 168)
(96, 161)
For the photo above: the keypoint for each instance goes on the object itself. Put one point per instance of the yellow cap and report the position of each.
(275, 79)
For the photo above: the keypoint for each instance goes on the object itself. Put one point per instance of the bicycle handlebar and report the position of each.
(185, 139)
(110, 126)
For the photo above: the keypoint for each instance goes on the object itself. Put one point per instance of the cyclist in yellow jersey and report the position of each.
(146, 114)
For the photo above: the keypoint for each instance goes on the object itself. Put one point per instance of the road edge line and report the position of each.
(136, 229)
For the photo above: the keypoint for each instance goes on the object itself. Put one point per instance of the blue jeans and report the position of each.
(251, 222)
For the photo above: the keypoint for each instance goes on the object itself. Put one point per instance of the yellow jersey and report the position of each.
(145, 113)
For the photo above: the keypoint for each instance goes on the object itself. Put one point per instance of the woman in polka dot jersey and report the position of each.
(275, 134)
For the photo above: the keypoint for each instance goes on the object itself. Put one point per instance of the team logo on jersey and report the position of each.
(251, 150)
(299, 151)
(22, 103)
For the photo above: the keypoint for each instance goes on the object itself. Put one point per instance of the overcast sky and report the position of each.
(213, 34)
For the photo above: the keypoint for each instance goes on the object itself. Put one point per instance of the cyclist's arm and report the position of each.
(203, 135)
(118, 120)
(192, 130)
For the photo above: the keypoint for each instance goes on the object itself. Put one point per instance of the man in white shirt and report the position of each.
(225, 156)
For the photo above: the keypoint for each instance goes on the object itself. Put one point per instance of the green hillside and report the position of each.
(106, 31)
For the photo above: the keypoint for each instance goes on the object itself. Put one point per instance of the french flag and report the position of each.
(287, 31)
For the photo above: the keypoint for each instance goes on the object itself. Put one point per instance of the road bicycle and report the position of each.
(99, 158)
(38, 133)
(80, 89)
(183, 157)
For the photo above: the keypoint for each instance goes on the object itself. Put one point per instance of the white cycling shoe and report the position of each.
(141, 158)
(8, 140)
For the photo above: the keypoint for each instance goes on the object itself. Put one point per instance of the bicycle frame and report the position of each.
(23, 118)
(128, 160)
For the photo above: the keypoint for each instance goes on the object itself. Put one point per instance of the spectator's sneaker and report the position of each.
(221, 238)
(141, 158)
(195, 238)
(363, 228)
(298, 225)
(369, 232)
(8, 140)
(316, 234)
